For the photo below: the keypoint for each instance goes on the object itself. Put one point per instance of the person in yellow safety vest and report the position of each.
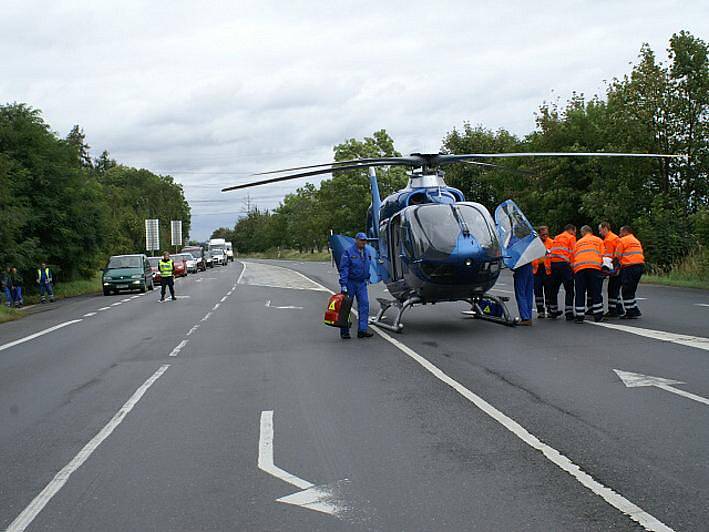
(587, 264)
(629, 253)
(44, 280)
(561, 255)
(167, 276)
(610, 242)
(541, 269)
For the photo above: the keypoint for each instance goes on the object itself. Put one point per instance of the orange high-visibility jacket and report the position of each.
(588, 253)
(546, 259)
(610, 242)
(629, 251)
(562, 248)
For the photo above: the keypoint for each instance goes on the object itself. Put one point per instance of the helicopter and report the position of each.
(427, 243)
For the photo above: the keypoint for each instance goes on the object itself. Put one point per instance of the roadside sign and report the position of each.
(152, 235)
(176, 232)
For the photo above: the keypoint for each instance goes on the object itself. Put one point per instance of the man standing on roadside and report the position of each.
(16, 287)
(561, 255)
(610, 242)
(629, 252)
(542, 276)
(6, 281)
(588, 264)
(167, 276)
(354, 276)
(44, 280)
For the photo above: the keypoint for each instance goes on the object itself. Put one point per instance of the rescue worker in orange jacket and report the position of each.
(541, 268)
(587, 264)
(610, 242)
(561, 255)
(629, 253)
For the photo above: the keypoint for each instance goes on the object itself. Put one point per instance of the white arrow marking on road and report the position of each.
(288, 307)
(636, 380)
(318, 498)
(681, 339)
(702, 304)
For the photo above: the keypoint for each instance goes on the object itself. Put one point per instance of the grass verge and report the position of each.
(670, 280)
(691, 272)
(9, 314)
(289, 254)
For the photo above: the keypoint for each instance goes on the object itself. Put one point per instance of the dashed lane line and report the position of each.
(178, 348)
(28, 515)
(89, 314)
(634, 512)
(223, 299)
(38, 334)
(104, 308)
(193, 329)
(207, 316)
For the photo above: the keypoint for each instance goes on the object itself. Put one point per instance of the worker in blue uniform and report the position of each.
(354, 275)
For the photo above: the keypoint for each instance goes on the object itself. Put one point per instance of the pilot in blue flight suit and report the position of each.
(354, 275)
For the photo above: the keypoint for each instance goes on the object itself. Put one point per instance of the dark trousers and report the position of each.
(542, 290)
(588, 284)
(562, 274)
(524, 290)
(629, 279)
(614, 304)
(165, 282)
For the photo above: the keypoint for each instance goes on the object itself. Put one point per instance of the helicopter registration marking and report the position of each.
(260, 274)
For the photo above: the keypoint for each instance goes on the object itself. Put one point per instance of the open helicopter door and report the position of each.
(338, 245)
(518, 239)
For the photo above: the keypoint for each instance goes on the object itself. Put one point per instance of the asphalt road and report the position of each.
(202, 413)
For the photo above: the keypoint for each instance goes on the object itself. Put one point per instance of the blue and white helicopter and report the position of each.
(428, 244)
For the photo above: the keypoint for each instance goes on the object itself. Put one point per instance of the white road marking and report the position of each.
(182, 297)
(178, 348)
(37, 334)
(634, 512)
(216, 306)
(287, 307)
(116, 303)
(126, 300)
(104, 308)
(206, 316)
(664, 336)
(134, 297)
(23, 520)
(223, 299)
(636, 380)
(241, 274)
(193, 329)
(702, 304)
(260, 274)
(318, 498)
(89, 314)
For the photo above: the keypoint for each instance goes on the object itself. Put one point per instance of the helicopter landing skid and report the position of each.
(477, 311)
(386, 304)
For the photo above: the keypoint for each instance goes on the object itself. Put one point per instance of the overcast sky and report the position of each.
(209, 91)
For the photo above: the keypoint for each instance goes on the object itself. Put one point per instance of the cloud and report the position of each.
(234, 87)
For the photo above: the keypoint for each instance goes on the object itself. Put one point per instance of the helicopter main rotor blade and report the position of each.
(317, 172)
(381, 160)
(500, 166)
(450, 159)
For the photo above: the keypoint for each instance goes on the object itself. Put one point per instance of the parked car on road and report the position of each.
(153, 261)
(180, 265)
(127, 272)
(218, 257)
(190, 262)
(199, 254)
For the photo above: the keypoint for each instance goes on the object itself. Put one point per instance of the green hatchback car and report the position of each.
(127, 272)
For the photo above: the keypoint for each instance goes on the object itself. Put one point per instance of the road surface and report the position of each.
(234, 408)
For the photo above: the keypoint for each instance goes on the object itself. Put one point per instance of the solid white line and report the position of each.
(37, 334)
(126, 300)
(178, 348)
(223, 299)
(134, 297)
(664, 336)
(206, 316)
(89, 314)
(243, 271)
(105, 308)
(637, 514)
(265, 454)
(40, 501)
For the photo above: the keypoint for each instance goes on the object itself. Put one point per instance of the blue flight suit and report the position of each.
(354, 274)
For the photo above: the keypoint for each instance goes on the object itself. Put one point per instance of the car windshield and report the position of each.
(435, 229)
(124, 262)
(194, 252)
(186, 256)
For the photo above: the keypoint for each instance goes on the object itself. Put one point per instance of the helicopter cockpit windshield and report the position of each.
(435, 230)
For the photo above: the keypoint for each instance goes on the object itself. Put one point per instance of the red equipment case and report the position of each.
(337, 313)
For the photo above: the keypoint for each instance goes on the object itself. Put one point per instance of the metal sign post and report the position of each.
(176, 233)
(152, 235)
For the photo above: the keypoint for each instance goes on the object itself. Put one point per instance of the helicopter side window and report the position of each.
(395, 246)
(514, 226)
